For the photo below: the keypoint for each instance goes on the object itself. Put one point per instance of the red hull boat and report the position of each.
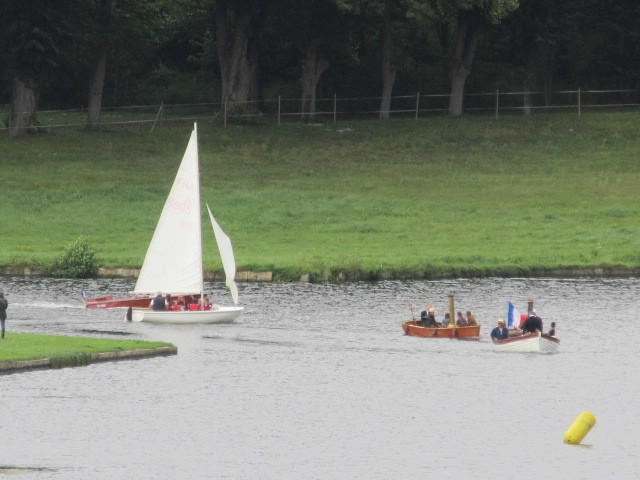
(111, 302)
(136, 301)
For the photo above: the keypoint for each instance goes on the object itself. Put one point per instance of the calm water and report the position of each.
(318, 382)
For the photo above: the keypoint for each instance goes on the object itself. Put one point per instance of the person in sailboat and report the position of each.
(461, 321)
(552, 331)
(500, 332)
(158, 302)
(206, 302)
(180, 305)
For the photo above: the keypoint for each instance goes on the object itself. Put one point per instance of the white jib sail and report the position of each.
(173, 263)
(226, 255)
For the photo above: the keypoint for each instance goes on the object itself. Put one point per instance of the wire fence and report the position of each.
(333, 109)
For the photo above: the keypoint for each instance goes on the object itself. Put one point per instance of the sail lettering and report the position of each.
(185, 183)
(186, 225)
(181, 206)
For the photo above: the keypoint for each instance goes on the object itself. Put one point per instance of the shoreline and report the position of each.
(17, 366)
(359, 275)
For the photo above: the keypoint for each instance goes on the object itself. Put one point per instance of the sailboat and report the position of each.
(173, 263)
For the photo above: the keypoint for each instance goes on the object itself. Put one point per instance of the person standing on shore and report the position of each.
(3, 311)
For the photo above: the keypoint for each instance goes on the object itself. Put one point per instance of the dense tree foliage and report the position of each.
(96, 53)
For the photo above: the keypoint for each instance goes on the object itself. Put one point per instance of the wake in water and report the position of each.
(47, 305)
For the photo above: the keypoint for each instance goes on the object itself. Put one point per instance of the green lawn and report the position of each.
(64, 351)
(441, 196)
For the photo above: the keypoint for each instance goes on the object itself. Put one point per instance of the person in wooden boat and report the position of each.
(471, 320)
(461, 321)
(446, 320)
(427, 317)
(500, 332)
(158, 302)
(552, 331)
(532, 324)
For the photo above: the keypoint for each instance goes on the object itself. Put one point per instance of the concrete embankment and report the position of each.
(383, 274)
(23, 365)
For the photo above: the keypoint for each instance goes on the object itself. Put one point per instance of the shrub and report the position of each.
(77, 261)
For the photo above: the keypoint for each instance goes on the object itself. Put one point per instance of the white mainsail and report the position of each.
(226, 255)
(173, 263)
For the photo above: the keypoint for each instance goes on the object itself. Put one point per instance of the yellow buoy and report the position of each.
(579, 429)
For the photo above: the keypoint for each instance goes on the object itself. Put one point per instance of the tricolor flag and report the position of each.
(513, 317)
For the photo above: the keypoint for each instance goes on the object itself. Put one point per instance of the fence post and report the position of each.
(497, 101)
(335, 107)
(417, 105)
(158, 115)
(278, 110)
(225, 114)
(579, 103)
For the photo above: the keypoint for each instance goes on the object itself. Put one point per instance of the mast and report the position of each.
(195, 132)
(452, 321)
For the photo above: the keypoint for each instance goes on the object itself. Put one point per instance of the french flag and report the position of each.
(513, 317)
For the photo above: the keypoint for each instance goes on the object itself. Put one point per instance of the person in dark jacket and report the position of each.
(3, 311)
(158, 302)
(427, 318)
(500, 332)
(532, 324)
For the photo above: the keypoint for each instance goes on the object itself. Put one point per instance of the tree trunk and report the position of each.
(312, 68)
(96, 88)
(238, 60)
(546, 54)
(467, 36)
(24, 101)
(388, 69)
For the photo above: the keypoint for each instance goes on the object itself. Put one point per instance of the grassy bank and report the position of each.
(65, 351)
(437, 197)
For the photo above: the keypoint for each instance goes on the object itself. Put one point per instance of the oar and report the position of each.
(413, 317)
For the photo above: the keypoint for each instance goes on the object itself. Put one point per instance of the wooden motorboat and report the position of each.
(529, 343)
(414, 329)
(470, 331)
